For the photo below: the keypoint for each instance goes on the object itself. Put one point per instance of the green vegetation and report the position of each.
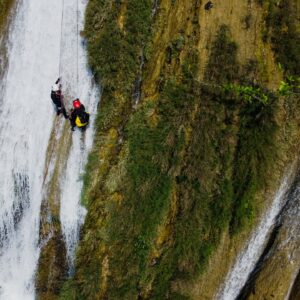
(290, 86)
(155, 154)
(197, 155)
(282, 22)
(252, 94)
(248, 93)
(114, 54)
(167, 178)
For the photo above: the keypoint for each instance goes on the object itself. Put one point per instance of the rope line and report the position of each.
(77, 61)
(61, 38)
(60, 50)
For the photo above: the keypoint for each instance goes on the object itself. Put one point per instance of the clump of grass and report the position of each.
(256, 151)
(282, 24)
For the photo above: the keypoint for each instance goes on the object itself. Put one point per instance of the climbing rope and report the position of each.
(60, 50)
(61, 38)
(77, 60)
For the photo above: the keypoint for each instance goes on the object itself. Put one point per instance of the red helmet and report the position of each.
(76, 103)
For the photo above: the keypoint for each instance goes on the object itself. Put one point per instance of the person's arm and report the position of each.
(57, 81)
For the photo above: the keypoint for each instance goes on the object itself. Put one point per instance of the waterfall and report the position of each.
(249, 256)
(26, 114)
(72, 213)
(34, 53)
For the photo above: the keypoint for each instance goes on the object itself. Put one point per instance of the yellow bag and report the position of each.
(78, 122)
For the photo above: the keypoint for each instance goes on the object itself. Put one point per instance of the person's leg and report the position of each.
(63, 110)
(83, 128)
(73, 124)
(58, 110)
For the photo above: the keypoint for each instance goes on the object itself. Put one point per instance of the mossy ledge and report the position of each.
(168, 176)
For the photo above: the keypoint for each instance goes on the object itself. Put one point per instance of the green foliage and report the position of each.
(290, 86)
(252, 94)
(114, 58)
(204, 188)
(255, 148)
(68, 291)
(113, 53)
(255, 154)
(248, 93)
(154, 151)
(282, 22)
(203, 150)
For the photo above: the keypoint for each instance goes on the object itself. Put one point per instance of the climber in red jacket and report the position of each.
(79, 117)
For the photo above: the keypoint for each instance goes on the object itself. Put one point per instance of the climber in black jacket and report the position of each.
(57, 99)
(79, 117)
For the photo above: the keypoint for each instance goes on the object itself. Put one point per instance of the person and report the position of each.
(208, 5)
(79, 117)
(57, 98)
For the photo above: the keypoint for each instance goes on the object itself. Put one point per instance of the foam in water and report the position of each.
(33, 49)
(72, 213)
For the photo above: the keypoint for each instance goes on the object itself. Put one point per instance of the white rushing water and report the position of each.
(249, 256)
(28, 116)
(72, 213)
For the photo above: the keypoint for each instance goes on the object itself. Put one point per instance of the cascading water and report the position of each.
(72, 213)
(33, 52)
(248, 258)
(34, 48)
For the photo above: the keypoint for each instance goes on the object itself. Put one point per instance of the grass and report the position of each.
(213, 174)
(281, 21)
(189, 165)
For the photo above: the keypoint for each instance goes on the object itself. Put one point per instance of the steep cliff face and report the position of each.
(194, 133)
(52, 266)
(193, 117)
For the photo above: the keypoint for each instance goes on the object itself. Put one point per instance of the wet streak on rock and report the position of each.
(53, 267)
(249, 287)
(273, 252)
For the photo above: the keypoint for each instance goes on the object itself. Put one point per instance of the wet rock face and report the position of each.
(52, 268)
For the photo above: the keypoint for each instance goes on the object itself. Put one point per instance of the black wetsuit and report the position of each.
(57, 100)
(78, 112)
